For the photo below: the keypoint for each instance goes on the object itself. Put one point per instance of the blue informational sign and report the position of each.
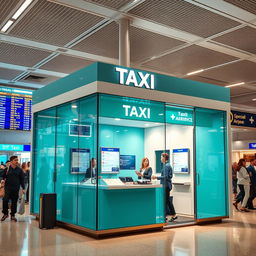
(180, 160)
(110, 160)
(252, 145)
(127, 162)
(14, 147)
(15, 112)
(242, 119)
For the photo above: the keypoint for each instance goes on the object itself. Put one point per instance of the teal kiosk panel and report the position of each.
(90, 147)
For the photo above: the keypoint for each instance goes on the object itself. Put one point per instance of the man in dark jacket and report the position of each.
(166, 180)
(14, 179)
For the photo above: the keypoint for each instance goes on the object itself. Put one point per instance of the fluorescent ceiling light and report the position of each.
(254, 99)
(195, 72)
(233, 85)
(117, 119)
(74, 106)
(7, 25)
(23, 7)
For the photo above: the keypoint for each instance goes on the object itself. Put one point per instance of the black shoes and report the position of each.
(4, 217)
(173, 218)
(13, 218)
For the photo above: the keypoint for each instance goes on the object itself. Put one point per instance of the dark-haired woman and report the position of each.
(243, 183)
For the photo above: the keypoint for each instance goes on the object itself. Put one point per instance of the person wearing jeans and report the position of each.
(243, 184)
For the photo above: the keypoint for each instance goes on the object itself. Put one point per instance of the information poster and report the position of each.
(110, 160)
(127, 162)
(80, 160)
(180, 160)
(80, 130)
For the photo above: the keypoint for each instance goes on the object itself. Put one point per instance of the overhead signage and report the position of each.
(136, 78)
(252, 145)
(14, 147)
(133, 109)
(242, 119)
(179, 116)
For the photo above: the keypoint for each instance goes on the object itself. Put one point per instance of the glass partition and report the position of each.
(129, 130)
(43, 155)
(211, 168)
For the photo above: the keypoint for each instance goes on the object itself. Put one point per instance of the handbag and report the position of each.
(21, 205)
(2, 190)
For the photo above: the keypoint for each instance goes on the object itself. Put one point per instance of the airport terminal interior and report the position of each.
(131, 114)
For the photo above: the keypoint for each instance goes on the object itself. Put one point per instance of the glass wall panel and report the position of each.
(67, 169)
(129, 130)
(87, 144)
(180, 143)
(44, 155)
(211, 166)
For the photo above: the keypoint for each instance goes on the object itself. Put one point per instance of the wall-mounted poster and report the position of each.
(80, 160)
(110, 160)
(127, 162)
(180, 160)
(80, 130)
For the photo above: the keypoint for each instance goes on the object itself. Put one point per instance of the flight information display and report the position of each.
(15, 110)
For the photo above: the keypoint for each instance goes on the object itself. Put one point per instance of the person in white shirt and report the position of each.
(243, 182)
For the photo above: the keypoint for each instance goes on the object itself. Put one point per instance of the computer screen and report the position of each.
(127, 162)
(110, 160)
(181, 160)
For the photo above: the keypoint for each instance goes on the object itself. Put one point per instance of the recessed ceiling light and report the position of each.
(22, 8)
(6, 26)
(195, 72)
(117, 119)
(254, 99)
(233, 85)
(74, 106)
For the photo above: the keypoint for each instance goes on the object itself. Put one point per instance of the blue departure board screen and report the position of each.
(15, 111)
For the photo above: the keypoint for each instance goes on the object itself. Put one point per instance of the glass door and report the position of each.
(211, 167)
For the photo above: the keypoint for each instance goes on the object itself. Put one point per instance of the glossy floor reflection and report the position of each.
(233, 237)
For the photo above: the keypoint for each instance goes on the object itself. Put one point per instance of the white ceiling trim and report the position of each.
(17, 83)
(225, 9)
(87, 7)
(164, 30)
(12, 66)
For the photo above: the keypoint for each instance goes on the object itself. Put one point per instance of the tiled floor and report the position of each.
(236, 236)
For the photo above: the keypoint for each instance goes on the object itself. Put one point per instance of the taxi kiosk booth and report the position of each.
(92, 129)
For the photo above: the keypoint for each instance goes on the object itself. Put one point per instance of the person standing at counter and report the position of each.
(166, 180)
(91, 171)
(145, 170)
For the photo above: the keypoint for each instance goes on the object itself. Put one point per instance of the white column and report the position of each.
(124, 42)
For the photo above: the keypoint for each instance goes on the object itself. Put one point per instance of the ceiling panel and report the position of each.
(145, 44)
(244, 39)
(8, 74)
(104, 42)
(6, 7)
(248, 5)
(114, 4)
(53, 23)
(45, 79)
(187, 60)
(184, 16)
(66, 64)
(243, 71)
(19, 55)
(239, 90)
